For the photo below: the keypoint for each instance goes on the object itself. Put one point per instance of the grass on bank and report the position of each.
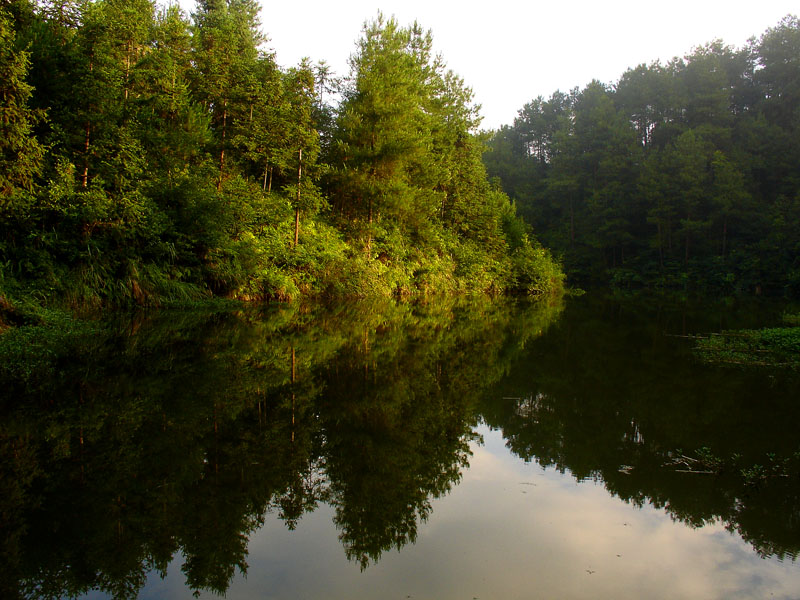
(769, 347)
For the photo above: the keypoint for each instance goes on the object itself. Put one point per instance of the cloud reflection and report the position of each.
(512, 530)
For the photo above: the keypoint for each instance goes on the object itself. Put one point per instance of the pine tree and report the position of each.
(20, 153)
(384, 128)
(174, 127)
(226, 41)
(303, 140)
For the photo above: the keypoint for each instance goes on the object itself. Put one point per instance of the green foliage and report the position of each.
(535, 270)
(32, 353)
(778, 347)
(147, 159)
(20, 153)
(681, 175)
(408, 185)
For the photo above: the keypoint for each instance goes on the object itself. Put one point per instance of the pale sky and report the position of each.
(511, 52)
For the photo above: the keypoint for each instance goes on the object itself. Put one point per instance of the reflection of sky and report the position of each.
(511, 530)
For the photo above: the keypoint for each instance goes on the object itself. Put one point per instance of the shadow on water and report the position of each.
(129, 443)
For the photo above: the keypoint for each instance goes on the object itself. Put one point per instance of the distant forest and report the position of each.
(682, 175)
(148, 156)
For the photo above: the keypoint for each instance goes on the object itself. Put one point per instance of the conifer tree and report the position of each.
(383, 126)
(226, 42)
(20, 153)
(174, 127)
(303, 140)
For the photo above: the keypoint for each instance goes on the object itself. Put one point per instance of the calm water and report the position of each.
(470, 450)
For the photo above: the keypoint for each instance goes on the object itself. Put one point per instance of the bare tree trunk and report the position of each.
(85, 176)
(571, 223)
(297, 205)
(724, 236)
(366, 355)
(222, 150)
(127, 68)
(686, 253)
(369, 234)
(372, 173)
(688, 238)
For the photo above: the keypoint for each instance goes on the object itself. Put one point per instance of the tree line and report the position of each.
(680, 174)
(149, 156)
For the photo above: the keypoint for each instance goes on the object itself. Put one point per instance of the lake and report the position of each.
(474, 449)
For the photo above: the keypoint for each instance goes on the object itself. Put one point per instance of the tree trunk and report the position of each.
(571, 224)
(297, 205)
(669, 236)
(127, 68)
(369, 234)
(222, 149)
(724, 235)
(686, 254)
(85, 176)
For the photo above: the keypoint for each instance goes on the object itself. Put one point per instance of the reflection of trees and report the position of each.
(397, 418)
(606, 395)
(393, 442)
(179, 433)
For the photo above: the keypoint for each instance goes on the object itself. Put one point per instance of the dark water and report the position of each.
(454, 450)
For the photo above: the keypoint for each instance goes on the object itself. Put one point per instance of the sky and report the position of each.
(510, 52)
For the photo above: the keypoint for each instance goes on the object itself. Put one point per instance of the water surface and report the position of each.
(452, 450)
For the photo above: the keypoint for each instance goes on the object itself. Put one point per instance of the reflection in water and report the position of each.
(608, 396)
(184, 434)
(179, 434)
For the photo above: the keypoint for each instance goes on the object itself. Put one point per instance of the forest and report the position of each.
(683, 175)
(148, 156)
